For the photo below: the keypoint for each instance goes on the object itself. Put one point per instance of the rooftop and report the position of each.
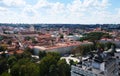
(63, 44)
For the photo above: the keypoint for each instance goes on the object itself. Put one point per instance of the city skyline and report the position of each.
(60, 11)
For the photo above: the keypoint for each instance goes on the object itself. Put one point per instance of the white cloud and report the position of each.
(3, 9)
(14, 2)
(41, 4)
(78, 11)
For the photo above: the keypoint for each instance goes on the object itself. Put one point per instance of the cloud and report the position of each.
(18, 3)
(77, 11)
(3, 9)
(41, 4)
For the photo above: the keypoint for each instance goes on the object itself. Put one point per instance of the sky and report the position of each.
(60, 11)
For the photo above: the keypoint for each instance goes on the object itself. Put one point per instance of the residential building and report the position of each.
(99, 64)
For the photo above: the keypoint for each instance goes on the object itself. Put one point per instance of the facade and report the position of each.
(62, 48)
(73, 37)
(117, 56)
(101, 64)
(32, 28)
(115, 41)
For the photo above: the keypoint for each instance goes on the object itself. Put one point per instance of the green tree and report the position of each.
(107, 36)
(63, 68)
(48, 64)
(3, 65)
(29, 50)
(54, 54)
(100, 46)
(94, 37)
(53, 71)
(26, 54)
(5, 74)
(71, 62)
(25, 67)
(3, 47)
(29, 69)
(61, 36)
(9, 42)
(27, 38)
(12, 60)
(42, 54)
(45, 64)
(108, 45)
(15, 70)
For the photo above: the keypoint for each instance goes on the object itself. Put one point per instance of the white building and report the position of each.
(117, 56)
(32, 28)
(102, 64)
(73, 37)
(62, 48)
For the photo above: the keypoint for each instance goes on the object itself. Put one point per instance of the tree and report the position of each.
(9, 42)
(61, 36)
(29, 69)
(42, 54)
(27, 38)
(3, 47)
(45, 64)
(108, 45)
(3, 65)
(54, 54)
(48, 64)
(63, 68)
(5, 74)
(25, 67)
(1, 38)
(34, 41)
(15, 70)
(71, 62)
(29, 50)
(100, 46)
(79, 51)
(12, 60)
(83, 49)
(107, 36)
(26, 54)
(94, 37)
(53, 70)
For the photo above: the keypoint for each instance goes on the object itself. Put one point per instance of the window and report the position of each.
(117, 57)
(119, 63)
(119, 74)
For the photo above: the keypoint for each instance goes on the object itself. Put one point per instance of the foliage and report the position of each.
(22, 65)
(27, 38)
(104, 46)
(25, 67)
(51, 65)
(9, 42)
(26, 54)
(42, 54)
(54, 54)
(3, 47)
(12, 60)
(29, 50)
(3, 65)
(5, 74)
(71, 62)
(63, 68)
(61, 36)
(45, 64)
(83, 49)
(108, 45)
(94, 36)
